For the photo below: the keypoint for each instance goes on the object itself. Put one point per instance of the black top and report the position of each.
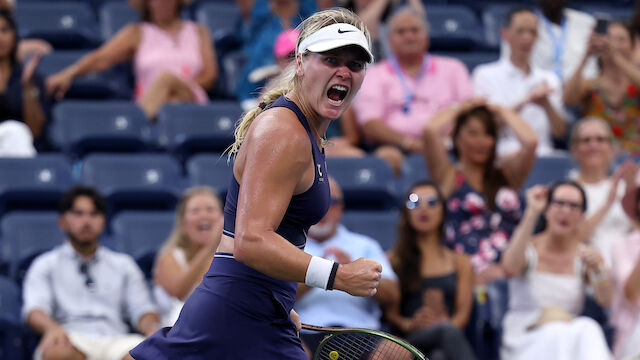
(11, 99)
(411, 302)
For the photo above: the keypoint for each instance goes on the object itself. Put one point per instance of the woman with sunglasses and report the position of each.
(435, 283)
(482, 201)
(549, 272)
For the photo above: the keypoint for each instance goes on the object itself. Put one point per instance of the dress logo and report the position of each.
(321, 179)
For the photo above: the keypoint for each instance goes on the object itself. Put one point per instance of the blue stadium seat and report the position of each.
(115, 15)
(453, 27)
(10, 335)
(80, 127)
(65, 24)
(135, 181)
(219, 17)
(210, 170)
(230, 67)
(34, 183)
(27, 234)
(379, 225)
(184, 129)
(110, 84)
(367, 183)
(141, 234)
(414, 169)
(548, 169)
(493, 17)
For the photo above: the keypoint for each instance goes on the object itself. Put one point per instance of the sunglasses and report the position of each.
(88, 280)
(413, 201)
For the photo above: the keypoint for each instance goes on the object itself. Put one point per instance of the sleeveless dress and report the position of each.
(238, 312)
(474, 229)
(580, 338)
(161, 52)
(624, 119)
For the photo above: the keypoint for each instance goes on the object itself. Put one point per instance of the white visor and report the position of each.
(335, 36)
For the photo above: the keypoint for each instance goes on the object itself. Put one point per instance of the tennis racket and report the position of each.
(361, 344)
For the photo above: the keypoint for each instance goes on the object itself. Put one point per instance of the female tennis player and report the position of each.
(243, 307)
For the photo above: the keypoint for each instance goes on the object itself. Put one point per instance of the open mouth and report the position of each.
(337, 94)
(204, 226)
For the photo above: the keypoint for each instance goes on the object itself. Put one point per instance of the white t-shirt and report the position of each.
(502, 83)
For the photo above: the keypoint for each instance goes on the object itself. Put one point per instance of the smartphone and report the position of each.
(602, 24)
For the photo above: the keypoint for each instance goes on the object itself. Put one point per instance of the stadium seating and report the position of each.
(27, 235)
(114, 16)
(472, 59)
(210, 170)
(34, 183)
(69, 25)
(493, 17)
(135, 181)
(80, 127)
(414, 169)
(184, 129)
(548, 169)
(379, 225)
(219, 17)
(367, 183)
(141, 234)
(110, 84)
(453, 27)
(609, 11)
(10, 331)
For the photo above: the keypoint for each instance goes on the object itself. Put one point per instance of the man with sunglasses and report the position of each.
(331, 240)
(80, 295)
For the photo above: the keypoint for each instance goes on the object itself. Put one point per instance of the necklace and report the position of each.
(323, 139)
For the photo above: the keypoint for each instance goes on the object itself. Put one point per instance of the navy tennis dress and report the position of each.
(238, 312)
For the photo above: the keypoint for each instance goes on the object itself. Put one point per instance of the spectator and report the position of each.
(331, 240)
(26, 47)
(436, 284)
(516, 82)
(188, 252)
(400, 95)
(549, 273)
(23, 104)
(173, 59)
(563, 34)
(268, 18)
(591, 146)
(625, 270)
(79, 294)
(614, 94)
(482, 201)
(635, 29)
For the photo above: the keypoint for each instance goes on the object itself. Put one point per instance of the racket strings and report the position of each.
(361, 346)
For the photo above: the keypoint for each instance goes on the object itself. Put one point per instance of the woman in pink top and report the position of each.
(174, 60)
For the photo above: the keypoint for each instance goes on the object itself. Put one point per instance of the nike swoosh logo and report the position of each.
(340, 31)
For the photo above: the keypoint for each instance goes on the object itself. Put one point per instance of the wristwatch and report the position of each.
(31, 93)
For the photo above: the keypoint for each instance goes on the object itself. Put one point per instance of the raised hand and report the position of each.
(537, 198)
(359, 278)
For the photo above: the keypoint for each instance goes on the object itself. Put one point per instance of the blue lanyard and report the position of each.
(409, 94)
(558, 43)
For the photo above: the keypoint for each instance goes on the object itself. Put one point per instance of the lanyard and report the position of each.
(409, 94)
(558, 43)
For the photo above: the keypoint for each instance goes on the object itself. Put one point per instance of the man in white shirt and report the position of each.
(332, 240)
(563, 36)
(535, 93)
(80, 294)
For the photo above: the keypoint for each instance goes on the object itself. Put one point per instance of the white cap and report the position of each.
(335, 36)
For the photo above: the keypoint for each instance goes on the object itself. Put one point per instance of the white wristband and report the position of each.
(318, 272)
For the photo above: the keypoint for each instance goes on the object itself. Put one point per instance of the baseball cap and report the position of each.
(285, 43)
(335, 36)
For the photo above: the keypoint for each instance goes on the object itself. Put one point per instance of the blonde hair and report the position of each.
(177, 238)
(289, 80)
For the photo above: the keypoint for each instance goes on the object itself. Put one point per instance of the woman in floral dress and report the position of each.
(482, 200)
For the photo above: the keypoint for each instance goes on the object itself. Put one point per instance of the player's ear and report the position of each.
(299, 69)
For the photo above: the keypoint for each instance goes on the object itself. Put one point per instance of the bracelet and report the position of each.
(319, 272)
(332, 277)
